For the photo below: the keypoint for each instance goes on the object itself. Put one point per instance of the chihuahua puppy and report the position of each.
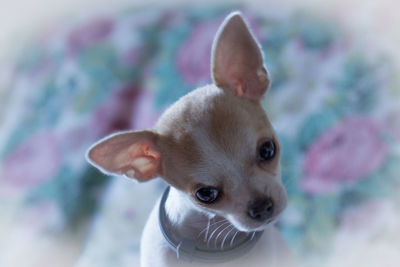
(217, 150)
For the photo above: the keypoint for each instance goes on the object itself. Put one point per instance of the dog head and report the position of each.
(215, 144)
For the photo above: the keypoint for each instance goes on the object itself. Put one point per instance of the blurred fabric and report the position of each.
(334, 103)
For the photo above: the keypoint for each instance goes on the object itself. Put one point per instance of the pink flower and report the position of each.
(34, 161)
(193, 59)
(144, 115)
(90, 33)
(132, 56)
(346, 153)
(114, 114)
(125, 109)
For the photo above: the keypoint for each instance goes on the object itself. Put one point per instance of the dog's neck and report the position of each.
(187, 221)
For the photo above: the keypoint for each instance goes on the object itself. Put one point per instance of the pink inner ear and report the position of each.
(239, 89)
(140, 161)
(253, 86)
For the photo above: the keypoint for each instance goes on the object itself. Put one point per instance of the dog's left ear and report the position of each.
(133, 154)
(237, 61)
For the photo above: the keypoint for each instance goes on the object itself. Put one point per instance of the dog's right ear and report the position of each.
(237, 61)
(133, 154)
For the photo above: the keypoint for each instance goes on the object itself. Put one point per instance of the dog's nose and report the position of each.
(261, 209)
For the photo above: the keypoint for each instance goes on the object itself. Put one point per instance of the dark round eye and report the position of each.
(207, 195)
(266, 151)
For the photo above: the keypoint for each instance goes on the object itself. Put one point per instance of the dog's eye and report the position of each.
(266, 151)
(207, 195)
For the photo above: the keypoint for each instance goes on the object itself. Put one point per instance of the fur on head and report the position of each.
(216, 143)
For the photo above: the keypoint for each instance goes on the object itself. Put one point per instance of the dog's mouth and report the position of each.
(249, 226)
(265, 225)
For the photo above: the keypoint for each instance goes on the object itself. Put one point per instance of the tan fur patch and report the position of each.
(212, 137)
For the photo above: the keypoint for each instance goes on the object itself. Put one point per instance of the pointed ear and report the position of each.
(237, 61)
(133, 154)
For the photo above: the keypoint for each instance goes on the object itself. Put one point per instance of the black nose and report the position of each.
(261, 209)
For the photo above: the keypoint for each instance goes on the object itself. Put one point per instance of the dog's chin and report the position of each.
(248, 228)
(251, 226)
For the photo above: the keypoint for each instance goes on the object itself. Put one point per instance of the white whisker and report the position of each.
(208, 226)
(219, 234)
(252, 236)
(223, 241)
(215, 230)
(233, 238)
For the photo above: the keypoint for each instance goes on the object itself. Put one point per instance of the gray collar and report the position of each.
(189, 250)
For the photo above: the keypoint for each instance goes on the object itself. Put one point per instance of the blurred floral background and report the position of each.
(334, 102)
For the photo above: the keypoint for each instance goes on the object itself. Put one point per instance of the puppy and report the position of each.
(217, 150)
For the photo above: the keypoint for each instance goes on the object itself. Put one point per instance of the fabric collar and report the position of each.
(189, 250)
